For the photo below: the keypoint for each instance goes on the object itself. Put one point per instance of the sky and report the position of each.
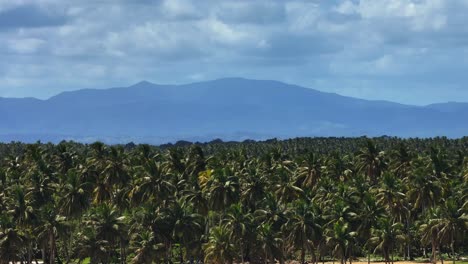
(408, 51)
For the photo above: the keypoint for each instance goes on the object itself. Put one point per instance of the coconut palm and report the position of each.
(371, 160)
(304, 228)
(147, 249)
(11, 240)
(342, 240)
(425, 188)
(271, 243)
(89, 246)
(222, 189)
(385, 238)
(75, 198)
(109, 226)
(219, 247)
(391, 197)
(48, 231)
(151, 183)
(187, 229)
(236, 220)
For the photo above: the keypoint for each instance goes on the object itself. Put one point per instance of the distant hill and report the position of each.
(230, 109)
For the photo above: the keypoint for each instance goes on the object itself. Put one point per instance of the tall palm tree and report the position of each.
(342, 240)
(187, 229)
(222, 189)
(151, 183)
(391, 197)
(52, 226)
(219, 247)
(236, 220)
(385, 238)
(147, 249)
(425, 188)
(453, 225)
(271, 243)
(371, 160)
(444, 225)
(11, 240)
(310, 171)
(304, 228)
(368, 215)
(89, 246)
(109, 226)
(75, 198)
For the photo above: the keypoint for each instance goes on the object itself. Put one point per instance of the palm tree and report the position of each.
(147, 249)
(444, 225)
(75, 198)
(385, 238)
(391, 197)
(368, 216)
(254, 189)
(342, 240)
(11, 240)
(219, 248)
(285, 189)
(109, 226)
(116, 171)
(151, 183)
(304, 228)
(187, 228)
(271, 243)
(310, 171)
(401, 162)
(90, 246)
(236, 220)
(452, 225)
(425, 188)
(222, 189)
(51, 227)
(371, 161)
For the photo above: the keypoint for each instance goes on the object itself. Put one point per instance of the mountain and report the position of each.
(231, 109)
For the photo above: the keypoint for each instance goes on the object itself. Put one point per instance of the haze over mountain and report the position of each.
(230, 109)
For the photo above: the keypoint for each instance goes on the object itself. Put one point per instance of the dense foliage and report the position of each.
(311, 199)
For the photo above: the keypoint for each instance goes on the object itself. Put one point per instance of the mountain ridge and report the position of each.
(148, 83)
(228, 108)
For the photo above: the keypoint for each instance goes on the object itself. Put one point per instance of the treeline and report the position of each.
(306, 199)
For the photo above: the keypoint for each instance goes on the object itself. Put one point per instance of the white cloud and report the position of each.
(106, 43)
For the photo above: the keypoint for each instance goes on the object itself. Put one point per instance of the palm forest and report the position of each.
(303, 200)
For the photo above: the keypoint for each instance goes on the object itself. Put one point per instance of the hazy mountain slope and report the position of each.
(231, 108)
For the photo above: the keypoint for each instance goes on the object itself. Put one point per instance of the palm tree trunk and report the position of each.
(122, 252)
(434, 248)
(392, 254)
(241, 248)
(181, 254)
(408, 244)
(43, 252)
(440, 255)
(52, 248)
(30, 252)
(453, 246)
(302, 255)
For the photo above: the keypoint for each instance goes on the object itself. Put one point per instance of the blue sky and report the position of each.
(409, 51)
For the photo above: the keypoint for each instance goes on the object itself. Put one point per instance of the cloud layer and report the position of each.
(410, 51)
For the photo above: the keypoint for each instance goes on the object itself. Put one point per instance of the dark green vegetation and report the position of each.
(304, 199)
